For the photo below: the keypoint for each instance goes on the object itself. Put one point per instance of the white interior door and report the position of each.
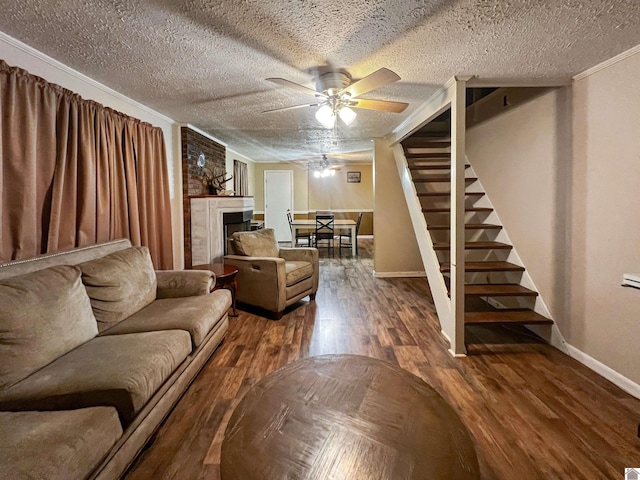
(278, 198)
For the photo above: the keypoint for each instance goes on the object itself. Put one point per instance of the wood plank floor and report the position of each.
(532, 411)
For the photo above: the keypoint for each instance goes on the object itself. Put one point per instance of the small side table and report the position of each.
(225, 278)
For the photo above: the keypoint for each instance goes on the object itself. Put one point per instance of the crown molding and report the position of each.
(204, 134)
(26, 49)
(607, 63)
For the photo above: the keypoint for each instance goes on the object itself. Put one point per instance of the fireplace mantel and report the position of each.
(207, 227)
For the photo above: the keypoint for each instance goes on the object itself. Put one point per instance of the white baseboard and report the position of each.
(399, 274)
(601, 369)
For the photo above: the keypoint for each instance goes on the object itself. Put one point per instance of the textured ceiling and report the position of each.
(205, 62)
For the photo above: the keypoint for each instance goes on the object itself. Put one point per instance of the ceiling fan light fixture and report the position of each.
(326, 116)
(347, 115)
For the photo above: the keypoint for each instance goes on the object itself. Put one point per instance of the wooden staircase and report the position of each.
(488, 273)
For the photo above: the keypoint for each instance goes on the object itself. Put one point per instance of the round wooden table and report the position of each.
(345, 417)
(225, 278)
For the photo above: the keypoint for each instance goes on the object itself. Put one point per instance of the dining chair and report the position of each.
(325, 231)
(347, 236)
(300, 234)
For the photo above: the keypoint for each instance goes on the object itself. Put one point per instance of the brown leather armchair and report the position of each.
(271, 277)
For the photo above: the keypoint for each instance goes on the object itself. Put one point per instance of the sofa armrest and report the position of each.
(184, 283)
(300, 254)
(261, 281)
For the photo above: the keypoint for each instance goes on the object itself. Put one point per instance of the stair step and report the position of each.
(442, 135)
(427, 156)
(425, 142)
(516, 315)
(467, 226)
(448, 210)
(498, 290)
(474, 246)
(433, 166)
(441, 179)
(485, 267)
(448, 194)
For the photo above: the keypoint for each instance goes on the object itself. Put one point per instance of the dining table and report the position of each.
(306, 224)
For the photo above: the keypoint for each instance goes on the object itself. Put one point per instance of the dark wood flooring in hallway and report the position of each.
(532, 411)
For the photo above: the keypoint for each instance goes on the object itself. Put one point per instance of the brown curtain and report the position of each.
(240, 178)
(76, 173)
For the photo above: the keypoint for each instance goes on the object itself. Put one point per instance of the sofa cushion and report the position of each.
(122, 371)
(119, 284)
(297, 271)
(258, 243)
(43, 315)
(197, 315)
(62, 445)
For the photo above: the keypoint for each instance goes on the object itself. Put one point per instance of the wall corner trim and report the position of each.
(601, 369)
(399, 274)
(4, 38)
(607, 63)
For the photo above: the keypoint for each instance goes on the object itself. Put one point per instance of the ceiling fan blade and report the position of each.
(383, 105)
(295, 86)
(377, 79)
(292, 107)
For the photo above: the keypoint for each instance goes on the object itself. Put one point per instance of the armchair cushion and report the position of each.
(297, 271)
(258, 243)
(119, 284)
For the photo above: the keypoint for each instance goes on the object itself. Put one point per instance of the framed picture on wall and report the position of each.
(353, 177)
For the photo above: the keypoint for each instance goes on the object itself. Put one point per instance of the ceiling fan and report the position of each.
(337, 94)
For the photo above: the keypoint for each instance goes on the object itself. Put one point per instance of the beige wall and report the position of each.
(300, 184)
(395, 246)
(334, 193)
(562, 172)
(329, 193)
(605, 227)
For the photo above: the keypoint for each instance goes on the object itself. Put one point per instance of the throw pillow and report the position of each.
(43, 315)
(119, 284)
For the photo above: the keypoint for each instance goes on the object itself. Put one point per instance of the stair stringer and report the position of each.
(551, 333)
(425, 244)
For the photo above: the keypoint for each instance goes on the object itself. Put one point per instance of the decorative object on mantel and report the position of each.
(214, 181)
(353, 177)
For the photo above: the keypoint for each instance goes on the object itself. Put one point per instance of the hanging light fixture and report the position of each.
(335, 108)
(322, 169)
(326, 116)
(347, 115)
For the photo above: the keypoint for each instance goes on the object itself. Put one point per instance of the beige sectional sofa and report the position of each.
(95, 350)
